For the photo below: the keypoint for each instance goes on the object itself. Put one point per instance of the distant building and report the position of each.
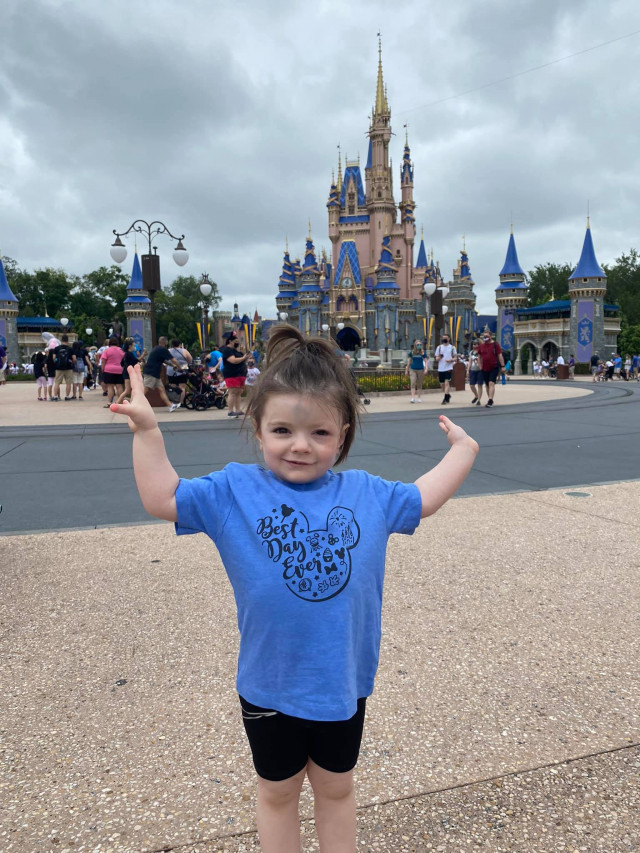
(582, 325)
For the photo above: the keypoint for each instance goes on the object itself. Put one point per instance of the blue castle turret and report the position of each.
(137, 309)
(8, 318)
(587, 290)
(309, 291)
(386, 294)
(511, 294)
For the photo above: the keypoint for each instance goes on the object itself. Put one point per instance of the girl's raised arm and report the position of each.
(443, 481)
(156, 478)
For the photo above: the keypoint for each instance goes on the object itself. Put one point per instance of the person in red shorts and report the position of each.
(234, 370)
(492, 364)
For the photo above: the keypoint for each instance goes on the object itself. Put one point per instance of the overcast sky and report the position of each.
(222, 119)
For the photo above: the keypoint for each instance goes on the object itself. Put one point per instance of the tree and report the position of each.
(547, 282)
(629, 340)
(623, 286)
(42, 293)
(179, 308)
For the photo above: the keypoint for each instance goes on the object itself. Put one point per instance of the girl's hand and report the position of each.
(455, 434)
(139, 412)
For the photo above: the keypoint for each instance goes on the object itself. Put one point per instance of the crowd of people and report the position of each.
(64, 371)
(483, 362)
(614, 367)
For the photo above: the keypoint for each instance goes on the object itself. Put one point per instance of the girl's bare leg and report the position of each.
(277, 814)
(334, 809)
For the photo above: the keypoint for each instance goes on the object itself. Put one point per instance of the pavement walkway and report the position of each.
(19, 406)
(506, 715)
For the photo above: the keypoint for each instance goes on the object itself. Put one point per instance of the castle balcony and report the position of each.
(612, 325)
(554, 326)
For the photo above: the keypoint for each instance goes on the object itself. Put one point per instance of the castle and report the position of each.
(369, 295)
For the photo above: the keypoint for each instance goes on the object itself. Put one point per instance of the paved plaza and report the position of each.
(506, 715)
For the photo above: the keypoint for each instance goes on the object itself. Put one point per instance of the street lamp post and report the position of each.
(325, 329)
(150, 261)
(284, 316)
(205, 290)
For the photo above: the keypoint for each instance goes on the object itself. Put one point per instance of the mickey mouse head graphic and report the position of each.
(316, 564)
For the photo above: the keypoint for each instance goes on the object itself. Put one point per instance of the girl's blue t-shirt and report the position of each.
(306, 563)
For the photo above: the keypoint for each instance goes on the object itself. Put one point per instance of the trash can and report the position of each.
(562, 371)
(459, 376)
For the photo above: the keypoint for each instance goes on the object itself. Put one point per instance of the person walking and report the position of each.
(79, 369)
(152, 373)
(234, 370)
(111, 362)
(129, 359)
(63, 360)
(445, 355)
(40, 373)
(490, 352)
(594, 361)
(475, 377)
(304, 549)
(415, 370)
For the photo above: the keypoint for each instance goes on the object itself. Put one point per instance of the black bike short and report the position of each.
(444, 376)
(282, 745)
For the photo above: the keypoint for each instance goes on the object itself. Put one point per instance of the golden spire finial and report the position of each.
(286, 245)
(333, 178)
(588, 217)
(406, 134)
(380, 92)
(309, 228)
(464, 245)
(422, 232)
(339, 183)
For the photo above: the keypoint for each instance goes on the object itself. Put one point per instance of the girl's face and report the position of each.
(300, 437)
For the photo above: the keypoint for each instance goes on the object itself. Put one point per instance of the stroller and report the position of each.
(201, 393)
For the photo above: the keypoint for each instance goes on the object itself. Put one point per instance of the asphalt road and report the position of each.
(54, 478)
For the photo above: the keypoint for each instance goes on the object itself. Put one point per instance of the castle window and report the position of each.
(379, 194)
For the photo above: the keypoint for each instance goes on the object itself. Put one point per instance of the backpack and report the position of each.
(63, 359)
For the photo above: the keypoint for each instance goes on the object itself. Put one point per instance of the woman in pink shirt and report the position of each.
(111, 362)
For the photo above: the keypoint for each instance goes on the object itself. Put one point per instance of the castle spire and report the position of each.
(339, 181)
(381, 96)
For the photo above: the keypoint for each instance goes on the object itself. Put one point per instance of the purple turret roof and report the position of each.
(512, 269)
(422, 262)
(588, 266)
(5, 291)
(135, 282)
(511, 263)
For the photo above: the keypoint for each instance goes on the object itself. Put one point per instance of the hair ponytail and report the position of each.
(295, 364)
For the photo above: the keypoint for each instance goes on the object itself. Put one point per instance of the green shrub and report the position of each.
(20, 377)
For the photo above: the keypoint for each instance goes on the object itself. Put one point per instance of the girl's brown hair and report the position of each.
(313, 366)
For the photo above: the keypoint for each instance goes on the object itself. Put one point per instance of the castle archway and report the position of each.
(550, 350)
(349, 339)
(528, 354)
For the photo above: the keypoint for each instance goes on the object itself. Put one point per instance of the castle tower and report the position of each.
(386, 294)
(8, 318)
(309, 292)
(287, 288)
(422, 263)
(511, 294)
(407, 208)
(461, 301)
(379, 191)
(587, 289)
(137, 309)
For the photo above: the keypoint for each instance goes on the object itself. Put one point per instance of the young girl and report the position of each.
(40, 373)
(307, 576)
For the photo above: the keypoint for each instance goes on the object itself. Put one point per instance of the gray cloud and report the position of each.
(223, 119)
